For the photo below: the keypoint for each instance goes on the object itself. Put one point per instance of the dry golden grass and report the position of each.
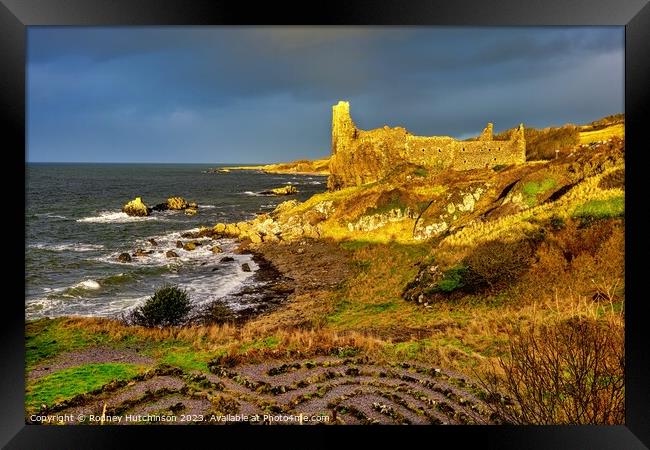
(618, 130)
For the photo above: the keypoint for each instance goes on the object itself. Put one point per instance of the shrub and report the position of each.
(169, 306)
(571, 372)
(496, 263)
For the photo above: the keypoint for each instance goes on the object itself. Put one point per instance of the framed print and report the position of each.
(376, 215)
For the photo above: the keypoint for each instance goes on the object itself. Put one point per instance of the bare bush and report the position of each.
(571, 372)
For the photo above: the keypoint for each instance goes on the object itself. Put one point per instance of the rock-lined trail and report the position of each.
(330, 390)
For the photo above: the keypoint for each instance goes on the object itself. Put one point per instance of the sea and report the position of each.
(75, 230)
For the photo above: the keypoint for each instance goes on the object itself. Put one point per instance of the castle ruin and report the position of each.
(360, 156)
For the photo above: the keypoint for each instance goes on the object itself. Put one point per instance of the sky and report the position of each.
(265, 94)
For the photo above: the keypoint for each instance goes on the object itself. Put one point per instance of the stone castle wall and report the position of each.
(360, 156)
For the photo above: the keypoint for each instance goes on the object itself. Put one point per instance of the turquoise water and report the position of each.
(75, 230)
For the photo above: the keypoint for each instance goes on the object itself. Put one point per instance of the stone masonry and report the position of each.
(360, 157)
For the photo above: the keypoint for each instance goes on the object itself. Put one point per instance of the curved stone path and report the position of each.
(319, 390)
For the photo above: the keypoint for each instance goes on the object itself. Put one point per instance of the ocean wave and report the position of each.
(72, 247)
(207, 206)
(254, 194)
(51, 216)
(116, 217)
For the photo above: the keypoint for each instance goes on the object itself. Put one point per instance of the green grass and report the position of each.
(47, 338)
(380, 307)
(451, 280)
(601, 209)
(354, 244)
(421, 172)
(67, 383)
(533, 188)
(188, 359)
(269, 342)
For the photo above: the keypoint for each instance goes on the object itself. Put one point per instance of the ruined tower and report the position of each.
(343, 128)
(364, 156)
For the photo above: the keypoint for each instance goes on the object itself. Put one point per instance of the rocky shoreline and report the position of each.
(269, 289)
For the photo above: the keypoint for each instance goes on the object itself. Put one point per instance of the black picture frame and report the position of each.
(17, 15)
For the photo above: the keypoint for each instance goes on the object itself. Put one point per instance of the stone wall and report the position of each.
(360, 157)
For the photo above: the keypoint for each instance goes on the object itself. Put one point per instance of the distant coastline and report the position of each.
(299, 167)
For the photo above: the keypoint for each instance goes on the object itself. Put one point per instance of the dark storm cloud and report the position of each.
(255, 94)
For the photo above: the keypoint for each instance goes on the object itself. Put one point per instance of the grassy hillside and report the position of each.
(484, 272)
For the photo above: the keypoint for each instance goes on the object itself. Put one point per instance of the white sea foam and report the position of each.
(204, 284)
(51, 216)
(116, 217)
(254, 194)
(71, 247)
(207, 206)
(87, 284)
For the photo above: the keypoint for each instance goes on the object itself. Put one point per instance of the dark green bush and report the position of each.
(169, 306)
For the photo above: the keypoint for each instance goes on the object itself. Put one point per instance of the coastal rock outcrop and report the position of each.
(136, 208)
(284, 190)
(177, 204)
(171, 254)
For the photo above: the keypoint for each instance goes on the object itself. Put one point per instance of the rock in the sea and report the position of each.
(193, 205)
(136, 208)
(179, 244)
(171, 254)
(219, 228)
(124, 257)
(284, 190)
(177, 203)
(141, 252)
(160, 207)
(227, 259)
(153, 242)
(245, 267)
(191, 211)
(189, 246)
(216, 249)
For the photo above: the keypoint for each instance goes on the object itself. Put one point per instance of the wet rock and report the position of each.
(219, 228)
(179, 244)
(171, 254)
(189, 246)
(216, 249)
(177, 203)
(191, 211)
(160, 207)
(245, 267)
(142, 252)
(227, 259)
(153, 242)
(136, 207)
(124, 257)
(284, 190)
